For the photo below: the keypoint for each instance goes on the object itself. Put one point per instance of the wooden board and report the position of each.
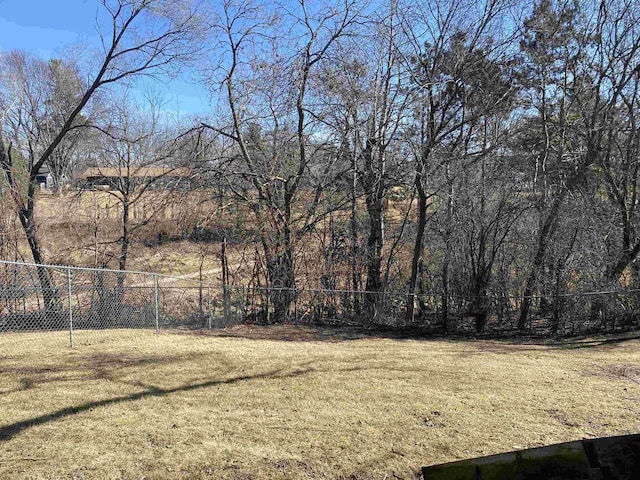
(609, 458)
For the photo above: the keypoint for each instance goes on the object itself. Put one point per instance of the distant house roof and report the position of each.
(44, 170)
(135, 172)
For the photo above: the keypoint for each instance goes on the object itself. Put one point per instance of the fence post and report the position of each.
(70, 307)
(156, 301)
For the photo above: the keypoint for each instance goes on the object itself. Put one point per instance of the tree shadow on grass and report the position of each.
(524, 343)
(9, 431)
(339, 334)
(587, 342)
(96, 366)
(311, 333)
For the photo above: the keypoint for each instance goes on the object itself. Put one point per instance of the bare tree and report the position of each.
(365, 107)
(142, 37)
(138, 155)
(267, 81)
(577, 78)
(619, 165)
(458, 78)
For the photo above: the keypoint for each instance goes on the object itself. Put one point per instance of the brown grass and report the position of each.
(294, 402)
(84, 230)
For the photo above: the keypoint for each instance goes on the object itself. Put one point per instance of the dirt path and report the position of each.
(165, 280)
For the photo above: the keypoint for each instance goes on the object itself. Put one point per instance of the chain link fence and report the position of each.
(60, 303)
(569, 313)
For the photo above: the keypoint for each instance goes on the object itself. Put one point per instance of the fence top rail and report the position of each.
(393, 293)
(87, 269)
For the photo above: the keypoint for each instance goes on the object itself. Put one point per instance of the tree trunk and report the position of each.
(124, 250)
(417, 247)
(50, 296)
(375, 243)
(480, 298)
(626, 258)
(546, 232)
(282, 284)
(25, 214)
(226, 298)
(355, 270)
(445, 293)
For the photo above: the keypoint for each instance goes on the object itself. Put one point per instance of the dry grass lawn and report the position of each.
(295, 402)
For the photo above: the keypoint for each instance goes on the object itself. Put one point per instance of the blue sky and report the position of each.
(46, 27)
